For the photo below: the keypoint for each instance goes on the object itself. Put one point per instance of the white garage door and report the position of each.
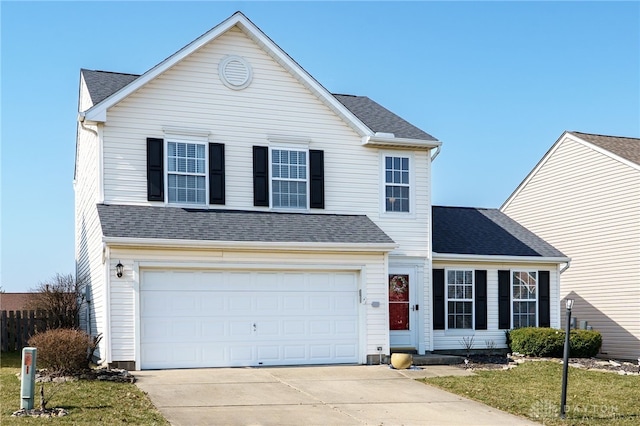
(221, 319)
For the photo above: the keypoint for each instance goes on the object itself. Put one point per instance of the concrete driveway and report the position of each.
(324, 395)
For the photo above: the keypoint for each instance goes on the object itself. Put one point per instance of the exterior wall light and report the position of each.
(119, 269)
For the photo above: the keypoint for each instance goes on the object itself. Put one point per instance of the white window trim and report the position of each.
(412, 185)
(462, 331)
(194, 138)
(295, 145)
(511, 299)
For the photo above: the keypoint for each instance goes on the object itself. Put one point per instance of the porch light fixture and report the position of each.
(565, 363)
(119, 269)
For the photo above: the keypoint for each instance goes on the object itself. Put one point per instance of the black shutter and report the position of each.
(155, 169)
(316, 172)
(481, 299)
(216, 173)
(504, 300)
(438, 299)
(261, 176)
(544, 309)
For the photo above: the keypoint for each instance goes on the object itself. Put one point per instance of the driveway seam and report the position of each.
(326, 404)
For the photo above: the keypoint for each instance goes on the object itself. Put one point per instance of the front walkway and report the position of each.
(323, 395)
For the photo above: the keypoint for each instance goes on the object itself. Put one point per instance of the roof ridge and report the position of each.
(604, 136)
(466, 207)
(111, 72)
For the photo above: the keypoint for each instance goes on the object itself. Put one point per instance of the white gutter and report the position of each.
(388, 140)
(499, 258)
(565, 267)
(249, 245)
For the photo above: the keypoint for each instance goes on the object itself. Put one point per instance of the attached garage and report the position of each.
(248, 318)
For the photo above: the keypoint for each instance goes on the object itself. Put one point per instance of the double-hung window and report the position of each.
(289, 177)
(396, 184)
(186, 172)
(524, 298)
(459, 299)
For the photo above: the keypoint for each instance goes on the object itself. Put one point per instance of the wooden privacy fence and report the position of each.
(18, 326)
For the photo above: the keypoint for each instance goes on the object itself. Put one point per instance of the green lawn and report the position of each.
(88, 402)
(533, 389)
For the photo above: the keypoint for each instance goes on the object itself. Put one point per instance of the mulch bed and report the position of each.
(495, 362)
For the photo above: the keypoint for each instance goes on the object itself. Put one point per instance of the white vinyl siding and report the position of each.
(587, 205)
(191, 95)
(88, 235)
(493, 336)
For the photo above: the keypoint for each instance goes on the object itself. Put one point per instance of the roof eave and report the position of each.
(248, 245)
(499, 258)
(393, 142)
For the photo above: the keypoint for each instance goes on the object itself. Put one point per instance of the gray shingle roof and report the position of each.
(627, 148)
(476, 231)
(238, 226)
(102, 84)
(380, 119)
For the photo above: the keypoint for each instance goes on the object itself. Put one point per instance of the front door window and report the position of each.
(398, 302)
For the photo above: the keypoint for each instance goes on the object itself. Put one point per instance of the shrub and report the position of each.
(62, 350)
(585, 343)
(534, 341)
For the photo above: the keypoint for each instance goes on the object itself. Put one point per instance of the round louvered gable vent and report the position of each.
(235, 72)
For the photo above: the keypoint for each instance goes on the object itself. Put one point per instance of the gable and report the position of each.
(602, 147)
(238, 22)
(364, 116)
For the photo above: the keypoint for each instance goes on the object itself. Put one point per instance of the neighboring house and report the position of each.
(230, 211)
(14, 301)
(490, 274)
(584, 198)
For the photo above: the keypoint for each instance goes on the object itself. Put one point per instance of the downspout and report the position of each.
(566, 266)
(435, 154)
(81, 121)
(430, 345)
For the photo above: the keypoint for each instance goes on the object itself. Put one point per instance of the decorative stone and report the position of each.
(401, 361)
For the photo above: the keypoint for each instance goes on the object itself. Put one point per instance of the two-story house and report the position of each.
(230, 211)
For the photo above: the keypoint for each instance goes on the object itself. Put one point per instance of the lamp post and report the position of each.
(565, 364)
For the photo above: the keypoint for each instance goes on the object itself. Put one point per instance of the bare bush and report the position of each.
(467, 343)
(62, 350)
(62, 296)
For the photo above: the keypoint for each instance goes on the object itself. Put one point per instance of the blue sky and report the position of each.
(497, 82)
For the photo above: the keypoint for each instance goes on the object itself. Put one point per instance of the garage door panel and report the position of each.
(299, 318)
(211, 302)
(268, 303)
(268, 354)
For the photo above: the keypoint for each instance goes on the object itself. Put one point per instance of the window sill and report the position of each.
(459, 332)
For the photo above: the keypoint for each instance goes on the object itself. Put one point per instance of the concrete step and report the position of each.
(432, 359)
